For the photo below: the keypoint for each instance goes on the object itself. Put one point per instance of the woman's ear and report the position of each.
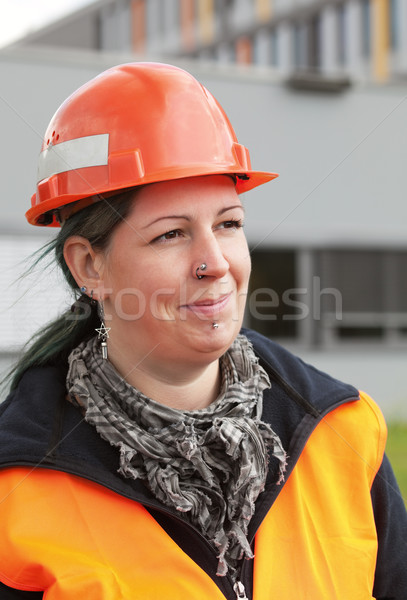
(85, 264)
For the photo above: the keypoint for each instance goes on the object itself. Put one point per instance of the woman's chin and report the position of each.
(213, 336)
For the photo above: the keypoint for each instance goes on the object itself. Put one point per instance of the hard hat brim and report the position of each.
(40, 214)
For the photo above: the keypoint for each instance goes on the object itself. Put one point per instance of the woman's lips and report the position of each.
(209, 307)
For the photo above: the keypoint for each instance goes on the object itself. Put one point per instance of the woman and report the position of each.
(149, 448)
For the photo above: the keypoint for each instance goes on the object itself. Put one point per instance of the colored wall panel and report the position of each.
(244, 51)
(138, 25)
(380, 39)
(187, 14)
(206, 20)
(263, 9)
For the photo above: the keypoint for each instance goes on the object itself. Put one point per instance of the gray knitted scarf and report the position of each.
(209, 464)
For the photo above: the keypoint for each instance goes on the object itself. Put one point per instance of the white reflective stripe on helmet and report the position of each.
(89, 151)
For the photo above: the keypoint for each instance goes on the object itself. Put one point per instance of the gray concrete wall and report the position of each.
(379, 373)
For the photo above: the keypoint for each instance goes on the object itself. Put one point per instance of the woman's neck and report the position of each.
(193, 389)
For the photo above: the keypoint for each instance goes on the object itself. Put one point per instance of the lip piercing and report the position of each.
(215, 325)
(201, 267)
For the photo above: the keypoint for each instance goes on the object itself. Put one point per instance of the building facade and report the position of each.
(332, 38)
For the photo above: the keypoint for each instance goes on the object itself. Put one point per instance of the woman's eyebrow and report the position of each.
(165, 217)
(223, 210)
(187, 218)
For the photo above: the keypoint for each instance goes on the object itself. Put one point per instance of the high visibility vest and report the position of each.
(319, 540)
(79, 540)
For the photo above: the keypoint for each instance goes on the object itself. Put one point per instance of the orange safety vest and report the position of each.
(79, 540)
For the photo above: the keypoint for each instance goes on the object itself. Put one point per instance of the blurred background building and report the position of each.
(355, 38)
(317, 90)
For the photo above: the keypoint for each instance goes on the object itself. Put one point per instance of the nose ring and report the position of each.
(201, 267)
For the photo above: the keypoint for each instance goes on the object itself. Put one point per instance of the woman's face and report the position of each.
(157, 308)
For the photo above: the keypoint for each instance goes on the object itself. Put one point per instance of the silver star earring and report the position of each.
(102, 331)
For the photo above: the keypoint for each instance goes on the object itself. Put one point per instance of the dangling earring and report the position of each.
(102, 331)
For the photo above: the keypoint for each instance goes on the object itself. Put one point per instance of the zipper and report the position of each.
(240, 591)
(237, 587)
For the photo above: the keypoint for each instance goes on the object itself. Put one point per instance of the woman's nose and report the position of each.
(210, 259)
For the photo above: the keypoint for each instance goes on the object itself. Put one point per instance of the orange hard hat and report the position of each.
(131, 125)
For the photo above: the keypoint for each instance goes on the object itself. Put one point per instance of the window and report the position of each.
(329, 297)
(271, 303)
(341, 34)
(373, 289)
(297, 46)
(393, 24)
(314, 43)
(365, 33)
(154, 19)
(274, 48)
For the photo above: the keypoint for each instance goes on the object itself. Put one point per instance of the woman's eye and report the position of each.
(232, 224)
(169, 235)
